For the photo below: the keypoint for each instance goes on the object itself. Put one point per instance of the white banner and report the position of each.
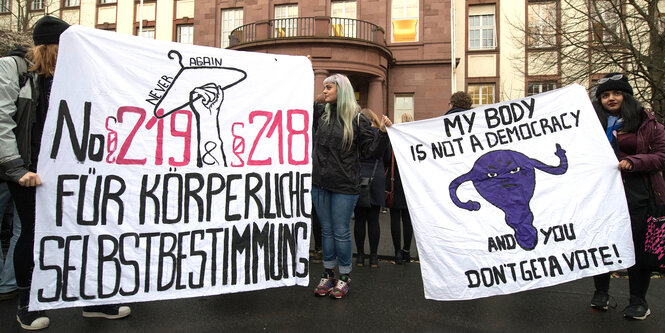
(171, 171)
(513, 196)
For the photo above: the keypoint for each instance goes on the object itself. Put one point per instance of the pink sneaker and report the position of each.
(325, 285)
(342, 287)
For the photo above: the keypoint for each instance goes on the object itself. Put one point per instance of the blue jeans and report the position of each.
(7, 277)
(334, 211)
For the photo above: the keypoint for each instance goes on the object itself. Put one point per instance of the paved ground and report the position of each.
(385, 299)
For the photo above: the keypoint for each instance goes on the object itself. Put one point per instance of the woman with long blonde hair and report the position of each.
(341, 135)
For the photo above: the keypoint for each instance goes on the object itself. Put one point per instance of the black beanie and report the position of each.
(47, 30)
(620, 84)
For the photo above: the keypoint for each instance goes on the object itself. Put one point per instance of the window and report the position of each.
(542, 24)
(405, 15)
(343, 18)
(482, 93)
(185, 33)
(231, 19)
(403, 104)
(37, 5)
(286, 20)
(107, 1)
(606, 21)
(534, 88)
(5, 6)
(72, 3)
(481, 28)
(147, 32)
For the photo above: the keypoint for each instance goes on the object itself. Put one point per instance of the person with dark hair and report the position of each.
(400, 218)
(18, 158)
(367, 218)
(639, 143)
(459, 101)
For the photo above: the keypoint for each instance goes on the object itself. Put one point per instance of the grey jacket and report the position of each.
(11, 163)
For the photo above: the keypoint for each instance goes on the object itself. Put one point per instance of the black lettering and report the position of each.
(64, 115)
(106, 242)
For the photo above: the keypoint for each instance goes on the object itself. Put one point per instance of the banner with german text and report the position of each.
(171, 171)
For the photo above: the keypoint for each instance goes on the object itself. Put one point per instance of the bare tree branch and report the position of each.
(596, 37)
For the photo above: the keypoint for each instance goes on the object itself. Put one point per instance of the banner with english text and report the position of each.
(171, 171)
(513, 196)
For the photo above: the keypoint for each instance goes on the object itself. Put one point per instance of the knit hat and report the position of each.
(614, 81)
(47, 30)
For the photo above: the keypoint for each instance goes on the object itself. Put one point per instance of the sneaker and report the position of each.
(342, 287)
(638, 309)
(316, 257)
(325, 285)
(32, 320)
(600, 300)
(113, 311)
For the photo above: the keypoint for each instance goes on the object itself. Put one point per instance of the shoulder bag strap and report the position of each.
(373, 170)
(392, 171)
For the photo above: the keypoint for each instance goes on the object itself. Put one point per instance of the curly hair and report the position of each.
(461, 99)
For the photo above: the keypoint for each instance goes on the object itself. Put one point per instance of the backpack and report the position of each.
(26, 108)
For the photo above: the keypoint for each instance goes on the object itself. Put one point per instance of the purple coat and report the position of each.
(650, 155)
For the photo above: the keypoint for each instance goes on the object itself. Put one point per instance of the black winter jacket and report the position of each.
(335, 168)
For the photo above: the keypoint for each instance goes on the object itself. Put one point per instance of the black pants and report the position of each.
(637, 195)
(316, 230)
(396, 226)
(638, 281)
(24, 198)
(367, 217)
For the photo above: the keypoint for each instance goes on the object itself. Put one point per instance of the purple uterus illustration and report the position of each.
(507, 180)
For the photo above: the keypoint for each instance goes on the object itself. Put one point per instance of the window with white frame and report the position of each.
(405, 16)
(403, 104)
(286, 20)
(542, 24)
(185, 33)
(606, 20)
(147, 32)
(72, 3)
(5, 6)
(481, 93)
(534, 88)
(107, 1)
(37, 5)
(231, 19)
(482, 32)
(343, 22)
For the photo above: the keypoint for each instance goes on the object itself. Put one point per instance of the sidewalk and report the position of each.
(385, 299)
(389, 298)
